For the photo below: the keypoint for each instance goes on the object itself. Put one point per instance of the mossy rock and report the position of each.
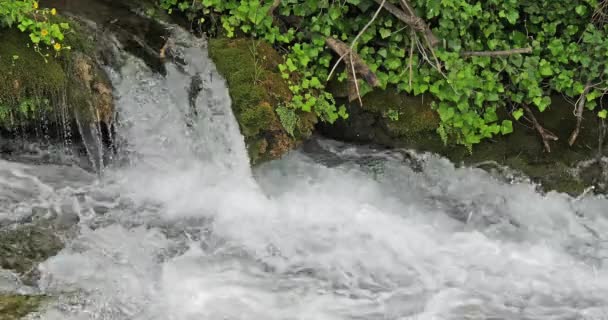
(415, 127)
(37, 85)
(25, 72)
(13, 307)
(257, 89)
(23, 248)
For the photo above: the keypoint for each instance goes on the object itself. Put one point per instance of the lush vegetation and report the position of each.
(37, 22)
(561, 48)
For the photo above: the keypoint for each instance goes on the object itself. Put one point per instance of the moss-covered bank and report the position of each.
(257, 90)
(397, 120)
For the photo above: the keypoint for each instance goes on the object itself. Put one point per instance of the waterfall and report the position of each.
(180, 227)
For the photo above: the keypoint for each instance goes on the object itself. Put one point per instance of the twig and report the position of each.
(354, 80)
(410, 64)
(545, 134)
(354, 43)
(498, 53)
(355, 62)
(273, 7)
(578, 113)
(412, 20)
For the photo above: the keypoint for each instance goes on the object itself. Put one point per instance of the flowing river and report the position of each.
(178, 227)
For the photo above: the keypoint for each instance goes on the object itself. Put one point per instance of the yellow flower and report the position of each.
(57, 46)
(53, 11)
(44, 32)
(35, 4)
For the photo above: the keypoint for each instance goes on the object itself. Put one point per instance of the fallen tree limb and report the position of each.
(411, 20)
(498, 53)
(578, 113)
(355, 64)
(545, 134)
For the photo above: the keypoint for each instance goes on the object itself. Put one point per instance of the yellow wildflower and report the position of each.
(44, 32)
(53, 11)
(57, 46)
(35, 4)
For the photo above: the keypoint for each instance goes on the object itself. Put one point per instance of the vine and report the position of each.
(475, 58)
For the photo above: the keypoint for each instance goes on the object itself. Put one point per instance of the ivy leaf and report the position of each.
(517, 114)
(580, 10)
(445, 113)
(35, 38)
(385, 33)
(393, 63)
(334, 13)
(602, 114)
(545, 68)
(506, 127)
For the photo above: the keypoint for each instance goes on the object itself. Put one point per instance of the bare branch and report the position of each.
(354, 43)
(545, 134)
(498, 53)
(412, 20)
(273, 7)
(355, 62)
(578, 113)
(411, 62)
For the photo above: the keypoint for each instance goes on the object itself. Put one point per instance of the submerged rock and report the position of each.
(257, 90)
(13, 307)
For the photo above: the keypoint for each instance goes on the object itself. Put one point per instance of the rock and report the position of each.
(257, 89)
(43, 96)
(13, 307)
(24, 247)
(396, 120)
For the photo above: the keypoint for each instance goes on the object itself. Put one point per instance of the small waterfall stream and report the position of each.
(180, 228)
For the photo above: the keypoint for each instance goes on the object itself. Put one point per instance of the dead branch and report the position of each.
(498, 53)
(578, 113)
(355, 64)
(412, 20)
(354, 43)
(600, 142)
(411, 60)
(545, 134)
(273, 7)
(353, 82)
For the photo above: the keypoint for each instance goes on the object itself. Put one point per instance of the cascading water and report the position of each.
(184, 230)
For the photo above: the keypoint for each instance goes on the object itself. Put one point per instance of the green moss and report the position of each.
(33, 84)
(24, 72)
(404, 115)
(23, 248)
(250, 68)
(13, 307)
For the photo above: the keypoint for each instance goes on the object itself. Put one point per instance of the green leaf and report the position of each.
(517, 114)
(545, 68)
(506, 127)
(35, 38)
(385, 33)
(602, 114)
(581, 10)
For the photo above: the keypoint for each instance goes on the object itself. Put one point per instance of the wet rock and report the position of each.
(398, 121)
(13, 307)
(24, 247)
